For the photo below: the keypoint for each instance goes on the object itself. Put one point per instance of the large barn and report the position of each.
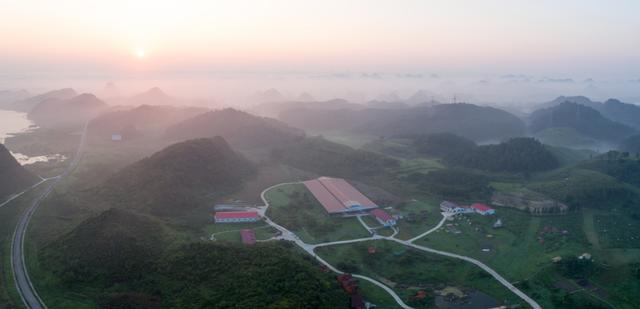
(338, 196)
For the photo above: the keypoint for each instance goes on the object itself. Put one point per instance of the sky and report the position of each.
(546, 38)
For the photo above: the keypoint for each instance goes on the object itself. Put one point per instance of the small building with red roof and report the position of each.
(383, 217)
(236, 216)
(248, 237)
(483, 209)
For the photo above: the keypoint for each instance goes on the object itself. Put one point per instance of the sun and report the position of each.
(139, 52)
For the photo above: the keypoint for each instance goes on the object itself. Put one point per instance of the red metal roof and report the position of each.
(336, 195)
(248, 237)
(346, 193)
(480, 207)
(236, 215)
(328, 201)
(381, 214)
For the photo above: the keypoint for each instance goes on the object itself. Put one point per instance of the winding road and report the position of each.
(25, 287)
(310, 248)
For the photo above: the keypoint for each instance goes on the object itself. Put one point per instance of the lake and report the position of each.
(15, 122)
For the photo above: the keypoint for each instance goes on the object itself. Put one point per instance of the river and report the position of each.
(15, 122)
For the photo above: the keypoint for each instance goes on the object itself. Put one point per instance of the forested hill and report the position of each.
(583, 119)
(520, 154)
(137, 261)
(75, 110)
(614, 109)
(13, 177)
(239, 128)
(144, 118)
(479, 123)
(321, 156)
(178, 178)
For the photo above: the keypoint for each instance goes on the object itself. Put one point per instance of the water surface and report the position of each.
(11, 123)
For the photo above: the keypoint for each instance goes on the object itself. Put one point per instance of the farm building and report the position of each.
(447, 206)
(383, 217)
(236, 216)
(248, 237)
(483, 209)
(338, 196)
(453, 208)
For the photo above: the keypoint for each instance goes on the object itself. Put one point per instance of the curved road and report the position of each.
(288, 235)
(23, 283)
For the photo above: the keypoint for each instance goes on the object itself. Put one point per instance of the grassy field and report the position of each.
(231, 231)
(408, 270)
(421, 165)
(419, 216)
(518, 249)
(522, 250)
(376, 295)
(353, 140)
(294, 207)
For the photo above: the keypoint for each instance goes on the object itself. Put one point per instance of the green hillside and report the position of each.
(137, 261)
(583, 119)
(318, 155)
(13, 177)
(178, 178)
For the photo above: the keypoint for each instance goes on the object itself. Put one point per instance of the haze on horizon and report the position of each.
(470, 48)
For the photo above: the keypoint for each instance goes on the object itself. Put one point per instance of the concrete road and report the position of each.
(309, 248)
(25, 287)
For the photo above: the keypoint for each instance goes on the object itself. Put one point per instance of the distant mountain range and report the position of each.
(75, 110)
(7, 97)
(26, 105)
(144, 119)
(471, 121)
(276, 108)
(178, 178)
(13, 177)
(625, 113)
(153, 96)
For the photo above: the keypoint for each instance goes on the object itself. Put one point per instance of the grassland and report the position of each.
(408, 270)
(353, 140)
(418, 217)
(231, 231)
(421, 165)
(293, 207)
(523, 248)
(518, 249)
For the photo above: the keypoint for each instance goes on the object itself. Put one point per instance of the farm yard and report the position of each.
(293, 207)
(231, 231)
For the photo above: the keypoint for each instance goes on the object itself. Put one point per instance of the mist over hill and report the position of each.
(614, 109)
(583, 119)
(72, 111)
(241, 129)
(26, 105)
(153, 96)
(144, 119)
(475, 122)
(276, 108)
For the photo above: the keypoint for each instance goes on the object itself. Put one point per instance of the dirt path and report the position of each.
(589, 228)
